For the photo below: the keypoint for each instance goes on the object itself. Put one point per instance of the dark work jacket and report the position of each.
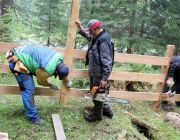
(174, 68)
(100, 54)
(174, 71)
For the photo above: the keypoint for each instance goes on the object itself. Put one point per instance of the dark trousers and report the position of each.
(98, 106)
(174, 88)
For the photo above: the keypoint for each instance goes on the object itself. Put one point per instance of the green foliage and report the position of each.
(136, 26)
(50, 21)
(82, 83)
(131, 67)
(139, 27)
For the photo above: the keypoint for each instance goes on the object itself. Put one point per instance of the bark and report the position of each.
(4, 4)
(131, 29)
(141, 122)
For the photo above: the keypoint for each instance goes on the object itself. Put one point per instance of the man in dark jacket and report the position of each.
(173, 75)
(100, 58)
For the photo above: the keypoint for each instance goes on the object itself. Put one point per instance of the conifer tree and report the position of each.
(50, 21)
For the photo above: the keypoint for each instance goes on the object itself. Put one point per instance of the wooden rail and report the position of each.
(126, 76)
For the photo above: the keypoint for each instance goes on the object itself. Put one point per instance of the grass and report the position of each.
(14, 121)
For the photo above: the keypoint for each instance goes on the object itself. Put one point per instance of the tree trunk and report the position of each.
(131, 30)
(4, 4)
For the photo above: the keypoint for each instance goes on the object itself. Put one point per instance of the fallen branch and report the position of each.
(140, 122)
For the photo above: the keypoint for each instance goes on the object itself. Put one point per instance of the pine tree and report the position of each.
(50, 21)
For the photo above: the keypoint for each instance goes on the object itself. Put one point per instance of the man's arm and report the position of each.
(106, 56)
(42, 77)
(82, 32)
(172, 68)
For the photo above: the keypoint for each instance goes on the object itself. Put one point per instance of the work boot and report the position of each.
(164, 105)
(107, 110)
(38, 122)
(95, 115)
(88, 109)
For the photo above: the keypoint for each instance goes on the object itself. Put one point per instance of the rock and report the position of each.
(173, 118)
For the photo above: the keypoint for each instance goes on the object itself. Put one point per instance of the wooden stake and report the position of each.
(69, 52)
(164, 70)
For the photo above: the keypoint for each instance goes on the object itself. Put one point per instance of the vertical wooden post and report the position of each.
(164, 69)
(71, 36)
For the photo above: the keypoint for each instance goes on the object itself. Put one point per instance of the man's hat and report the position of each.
(62, 71)
(93, 23)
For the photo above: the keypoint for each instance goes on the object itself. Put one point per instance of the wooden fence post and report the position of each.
(164, 70)
(71, 36)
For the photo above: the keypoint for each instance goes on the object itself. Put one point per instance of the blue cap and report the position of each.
(63, 72)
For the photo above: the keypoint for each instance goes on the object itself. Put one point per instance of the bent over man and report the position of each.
(172, 83)
(100, 58)
(42, 62)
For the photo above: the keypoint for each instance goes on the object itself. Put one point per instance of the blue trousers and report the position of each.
(27, 89)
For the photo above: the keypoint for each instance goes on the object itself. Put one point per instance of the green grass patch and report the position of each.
(13, 120)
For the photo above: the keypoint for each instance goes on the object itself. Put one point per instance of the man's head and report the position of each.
(94, 27)
(62, 71)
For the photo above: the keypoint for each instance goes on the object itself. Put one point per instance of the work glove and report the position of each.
(54, 87)
(69, 84)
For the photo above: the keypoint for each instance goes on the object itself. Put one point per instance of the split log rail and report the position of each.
(126, 76)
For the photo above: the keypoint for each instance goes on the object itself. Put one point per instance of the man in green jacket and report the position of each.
(42, 62)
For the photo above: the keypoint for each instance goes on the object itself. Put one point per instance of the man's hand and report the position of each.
(102, 83)
(165, 95)
(78, 23)
(69, 84)
(54, 87)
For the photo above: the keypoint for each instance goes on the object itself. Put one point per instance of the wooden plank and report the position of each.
(59, 131)
(176, 97)
(119, 57)
(79, 54)
(141, 59)
(164, 70)
(14, 89)
(3, 136)
(43, 91)
(71, 36)
(4, 46)
(4, 68)
(139, 96)
(129, 76)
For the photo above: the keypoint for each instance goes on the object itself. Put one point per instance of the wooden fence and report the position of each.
(126, 76)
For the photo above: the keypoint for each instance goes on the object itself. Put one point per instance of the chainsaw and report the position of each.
(102, 94)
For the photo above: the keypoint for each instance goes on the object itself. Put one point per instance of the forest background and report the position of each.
(136, 26)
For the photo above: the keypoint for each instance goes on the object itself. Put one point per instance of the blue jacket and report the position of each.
(34, 57)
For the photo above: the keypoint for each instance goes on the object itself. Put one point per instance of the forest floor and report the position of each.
(134, 121)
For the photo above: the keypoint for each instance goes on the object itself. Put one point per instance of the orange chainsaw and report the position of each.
(102, 94)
